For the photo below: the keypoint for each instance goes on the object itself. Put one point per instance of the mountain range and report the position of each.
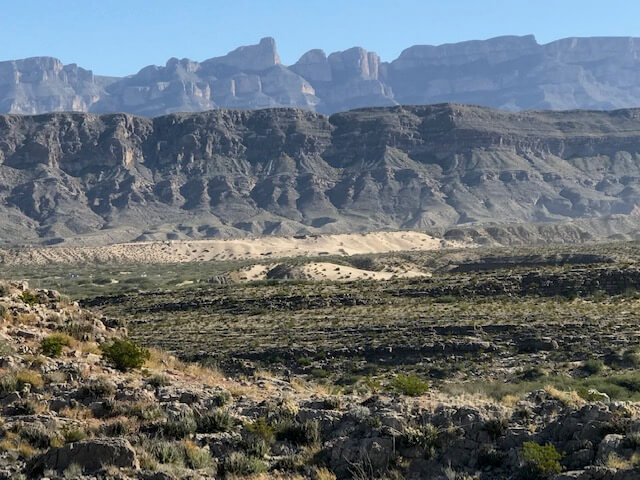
(510, 73)
(88, 178)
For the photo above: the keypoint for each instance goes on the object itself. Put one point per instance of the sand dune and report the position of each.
(332, 271)
(233, 249)
(327, 271)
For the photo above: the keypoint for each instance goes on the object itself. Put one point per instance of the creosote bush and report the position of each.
(540, 461)
(52, 345)
(125, 354)
(411, 385)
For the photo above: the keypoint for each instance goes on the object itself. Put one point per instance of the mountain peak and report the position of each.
(508, 72)
(251, 57)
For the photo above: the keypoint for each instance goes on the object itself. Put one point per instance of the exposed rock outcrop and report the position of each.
(283, 171)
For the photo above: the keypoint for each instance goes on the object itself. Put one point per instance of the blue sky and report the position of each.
(117, 37)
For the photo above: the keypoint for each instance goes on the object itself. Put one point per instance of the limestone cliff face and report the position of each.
(511, 73)
(223, 172)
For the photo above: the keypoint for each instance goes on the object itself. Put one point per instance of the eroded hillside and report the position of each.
(103, 179)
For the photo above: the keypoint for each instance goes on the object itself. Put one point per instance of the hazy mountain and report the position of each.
(284, 171)
(510, 73)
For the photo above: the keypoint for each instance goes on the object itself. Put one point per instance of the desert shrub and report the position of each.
(29, 298)
(258, 438)
(593, 366)
(332, 403)
(73, 471)
(142, 410)
(496, 427)
(180, 427)
(540, 461)
(532, 374)
(632, 357)
(323, 473)
(38, 436)
(218, 420)
(490, 457)
(411, 385)
(158, 381)
(23, 407)
(220, 399)
(115, 429)
(125, 354)
(30, 377)
(5, 347)
(287, 408)
(98, 388)
(360, 413)
(166, 452)
(52, 345)
(305, 433)
(73, 434)
(238, 463)
(425, 436)
(79, 331)
(8, 384)
(262, 429)
(196, 457)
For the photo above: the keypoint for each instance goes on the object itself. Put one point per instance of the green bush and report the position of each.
(260, 428)
(305, 433)
(8, 384)
(37, 436)
(98, 388)
(158, 381)
(425, 436)
(258, 438)
(593, 366)
(52, 345)
(496, 427)
(166, 452)
(411, 385)
(29, 298)
(540, 461)
(196, 457)
(238, 463)
(180, 427)
(125, 354)
(72, 435)
(212, 422)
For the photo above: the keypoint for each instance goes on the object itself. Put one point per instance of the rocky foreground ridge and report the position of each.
(70, 414)
(510, 73)
(115, 178)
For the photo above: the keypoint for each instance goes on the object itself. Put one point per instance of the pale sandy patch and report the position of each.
(230, 249)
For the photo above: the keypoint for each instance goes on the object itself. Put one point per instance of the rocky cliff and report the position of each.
(510, 73)
(118, 177)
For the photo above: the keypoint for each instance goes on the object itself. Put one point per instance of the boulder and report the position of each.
(90, 455)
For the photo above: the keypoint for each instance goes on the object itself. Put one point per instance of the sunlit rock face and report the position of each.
(510, 73)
